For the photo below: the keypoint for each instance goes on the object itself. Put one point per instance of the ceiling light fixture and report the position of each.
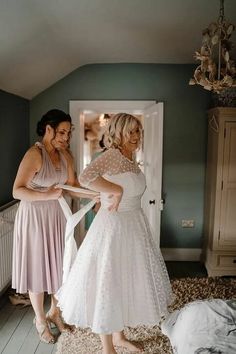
(216, 71)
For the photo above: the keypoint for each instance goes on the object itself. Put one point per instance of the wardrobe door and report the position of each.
(227, 235)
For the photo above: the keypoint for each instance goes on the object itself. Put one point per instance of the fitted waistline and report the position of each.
(126, 204)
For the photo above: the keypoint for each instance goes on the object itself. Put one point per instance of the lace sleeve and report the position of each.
(107, 163)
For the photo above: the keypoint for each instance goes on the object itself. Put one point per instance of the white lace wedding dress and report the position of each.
(119, 277)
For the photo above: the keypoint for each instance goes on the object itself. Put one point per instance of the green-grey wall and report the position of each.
(14, 128)
(184, 130)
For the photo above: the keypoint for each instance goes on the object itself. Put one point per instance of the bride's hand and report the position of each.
(97, 198)
(115, 198)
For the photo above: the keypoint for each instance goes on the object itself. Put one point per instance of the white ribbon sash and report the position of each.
(71, 221)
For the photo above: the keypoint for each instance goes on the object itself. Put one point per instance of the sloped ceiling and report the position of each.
(41, 41)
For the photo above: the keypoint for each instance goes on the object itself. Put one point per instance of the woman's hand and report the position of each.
(115, 198)
(96, 207)
(97, 198)
(115, 191)
(54, 193)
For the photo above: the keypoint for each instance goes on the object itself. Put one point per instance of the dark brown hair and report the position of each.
(53, 118)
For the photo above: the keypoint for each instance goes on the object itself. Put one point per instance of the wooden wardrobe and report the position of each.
(220, 193)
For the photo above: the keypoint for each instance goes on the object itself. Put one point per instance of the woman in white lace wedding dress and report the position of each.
(119, 277)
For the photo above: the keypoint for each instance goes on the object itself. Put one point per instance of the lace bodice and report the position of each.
(110, 163)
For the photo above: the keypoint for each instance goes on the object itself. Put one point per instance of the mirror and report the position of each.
(93, 145)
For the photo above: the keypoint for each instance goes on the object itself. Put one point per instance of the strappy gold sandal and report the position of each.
(56, 320)
(44, 332)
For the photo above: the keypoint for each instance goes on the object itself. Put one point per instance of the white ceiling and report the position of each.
(42, 41)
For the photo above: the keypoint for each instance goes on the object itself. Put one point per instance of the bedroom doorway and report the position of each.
(150, 158)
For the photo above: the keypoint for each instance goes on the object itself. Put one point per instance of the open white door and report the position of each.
(152, 202)
(153, 131)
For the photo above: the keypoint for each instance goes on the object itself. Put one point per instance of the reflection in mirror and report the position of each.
(94, 127)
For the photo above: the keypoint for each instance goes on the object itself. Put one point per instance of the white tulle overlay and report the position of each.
(119, 277)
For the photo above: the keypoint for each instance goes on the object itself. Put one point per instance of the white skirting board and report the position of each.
(181, 254)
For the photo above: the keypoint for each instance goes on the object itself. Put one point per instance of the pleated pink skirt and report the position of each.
(38, 247)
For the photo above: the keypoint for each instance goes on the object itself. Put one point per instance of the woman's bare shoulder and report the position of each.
(34, 155)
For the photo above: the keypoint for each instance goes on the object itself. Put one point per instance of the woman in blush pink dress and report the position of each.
(40, 223)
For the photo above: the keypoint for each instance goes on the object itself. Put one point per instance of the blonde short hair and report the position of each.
(120, 126)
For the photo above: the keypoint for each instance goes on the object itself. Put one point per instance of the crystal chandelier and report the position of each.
(216, 71)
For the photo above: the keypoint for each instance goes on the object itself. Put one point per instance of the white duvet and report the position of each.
(207, 326)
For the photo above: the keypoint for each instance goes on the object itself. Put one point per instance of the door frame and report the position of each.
(77, 108)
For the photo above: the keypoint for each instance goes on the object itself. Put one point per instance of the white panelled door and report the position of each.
(152, 202)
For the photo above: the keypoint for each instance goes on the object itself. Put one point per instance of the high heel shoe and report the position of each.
(18, 299)
(56, 320)
(44, 332)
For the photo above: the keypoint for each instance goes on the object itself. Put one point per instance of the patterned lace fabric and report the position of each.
(111, 162)
(119, 277)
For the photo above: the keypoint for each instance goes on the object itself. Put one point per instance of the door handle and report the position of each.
(152, 201)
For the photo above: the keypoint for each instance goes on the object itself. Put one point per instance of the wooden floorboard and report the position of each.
(54, 350)
(5, 313)
(31, 342)
(44, 348)
(10, 326)
(18, 333)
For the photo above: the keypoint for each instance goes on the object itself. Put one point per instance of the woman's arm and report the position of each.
(92, 176)
(72, 177)
(100, 184)
(29, 166)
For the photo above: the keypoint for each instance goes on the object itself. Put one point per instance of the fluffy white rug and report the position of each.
(151, 339)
